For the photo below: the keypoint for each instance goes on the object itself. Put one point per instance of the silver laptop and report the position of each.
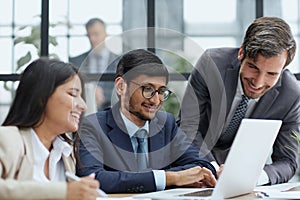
(244, 163)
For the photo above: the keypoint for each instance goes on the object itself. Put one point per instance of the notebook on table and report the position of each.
(243, 165)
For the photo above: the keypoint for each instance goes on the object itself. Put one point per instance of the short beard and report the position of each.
(139, 115)
(130, 108)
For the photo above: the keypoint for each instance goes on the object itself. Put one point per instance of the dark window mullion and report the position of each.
(151, 25)
(45, 28)
(259, 8)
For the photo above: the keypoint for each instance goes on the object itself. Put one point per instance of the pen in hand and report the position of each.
(73, 177)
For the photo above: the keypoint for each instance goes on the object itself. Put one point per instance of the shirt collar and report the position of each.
(131, 127)
(58, 144)
(61, 146)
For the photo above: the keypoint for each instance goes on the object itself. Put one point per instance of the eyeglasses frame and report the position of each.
(154, 91)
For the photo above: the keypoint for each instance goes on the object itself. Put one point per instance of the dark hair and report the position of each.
(37, 84)
(93, 21)
(140, 62)
(269, 36)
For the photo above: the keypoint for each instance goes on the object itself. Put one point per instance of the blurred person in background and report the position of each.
(98, 60)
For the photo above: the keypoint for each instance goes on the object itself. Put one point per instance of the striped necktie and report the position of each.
(236, 119)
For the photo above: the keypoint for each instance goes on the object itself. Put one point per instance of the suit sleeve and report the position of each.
(286, 147)
(31, 190)
(185, 153)
(198, 118)
(111, 180)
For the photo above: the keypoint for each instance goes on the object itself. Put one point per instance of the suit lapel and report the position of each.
(231, 79)
(156, 141)
(69, 162)
(27, 163)
(265, 103)
(120, 138)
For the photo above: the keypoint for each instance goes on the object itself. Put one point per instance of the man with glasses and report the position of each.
(134, 147)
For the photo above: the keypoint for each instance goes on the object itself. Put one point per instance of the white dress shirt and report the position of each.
(56, 165)
(98, 61)
(159, 175)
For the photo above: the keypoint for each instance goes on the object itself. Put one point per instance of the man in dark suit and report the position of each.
(256, 71)
(98, 60)
(134, 147)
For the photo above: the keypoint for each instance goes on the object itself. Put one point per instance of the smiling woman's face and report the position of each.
(65, 106)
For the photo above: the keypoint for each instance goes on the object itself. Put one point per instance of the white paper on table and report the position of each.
(279, 191)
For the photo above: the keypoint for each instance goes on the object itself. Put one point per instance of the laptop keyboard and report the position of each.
(202, 193)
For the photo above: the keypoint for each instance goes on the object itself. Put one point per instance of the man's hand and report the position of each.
(193, 177)
(219, 171)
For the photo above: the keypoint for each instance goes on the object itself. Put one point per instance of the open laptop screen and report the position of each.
(245, 161)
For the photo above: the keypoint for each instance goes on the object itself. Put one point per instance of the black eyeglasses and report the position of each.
(149, 91)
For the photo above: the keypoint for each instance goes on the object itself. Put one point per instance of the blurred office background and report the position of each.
(184, 28)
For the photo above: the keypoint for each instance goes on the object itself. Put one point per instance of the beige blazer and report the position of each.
(16, 168)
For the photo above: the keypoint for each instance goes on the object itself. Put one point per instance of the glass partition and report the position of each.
(183, 30)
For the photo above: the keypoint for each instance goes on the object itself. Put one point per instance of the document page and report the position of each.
(279, 191)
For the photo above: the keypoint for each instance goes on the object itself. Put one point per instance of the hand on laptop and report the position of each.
(193, 177)
(219, 171)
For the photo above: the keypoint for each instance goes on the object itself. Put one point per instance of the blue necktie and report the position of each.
(141, 152)
(236, 119)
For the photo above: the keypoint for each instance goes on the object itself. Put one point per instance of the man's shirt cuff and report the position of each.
(215, 164)
(160, 179)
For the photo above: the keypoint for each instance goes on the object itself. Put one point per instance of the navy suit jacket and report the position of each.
(106, 150)
(208, 99)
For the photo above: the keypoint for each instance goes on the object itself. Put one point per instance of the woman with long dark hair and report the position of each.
(35, 149)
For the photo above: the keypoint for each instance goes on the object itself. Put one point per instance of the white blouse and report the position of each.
(56, 165)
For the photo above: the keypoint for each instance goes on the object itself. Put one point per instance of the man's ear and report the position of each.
(120, 85)
(240, 54)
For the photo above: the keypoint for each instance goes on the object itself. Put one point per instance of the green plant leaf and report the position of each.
(37, 44)
(34, 38)
(6, 87)
(22, 27)
(290, 148)
(24, 60)
(19, 40)
(53, 41)
(295, 136)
